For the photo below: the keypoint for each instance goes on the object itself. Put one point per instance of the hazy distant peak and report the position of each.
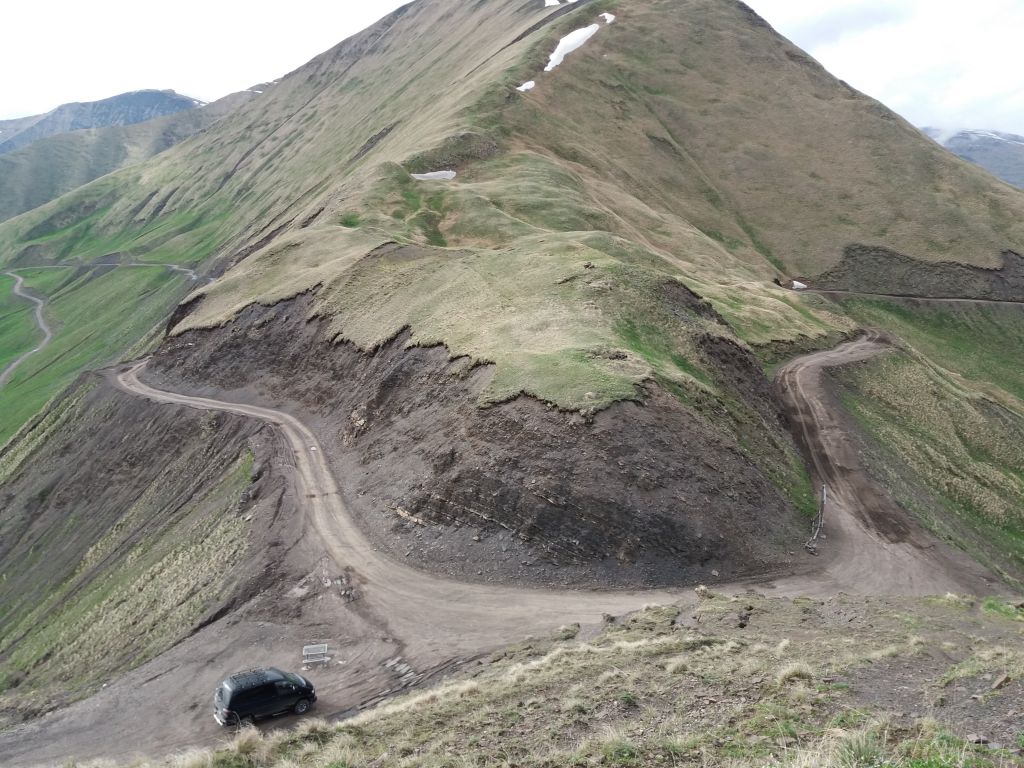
(123, 109)
(998, 152)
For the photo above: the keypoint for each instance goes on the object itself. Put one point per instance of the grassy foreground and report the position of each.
(743, 681)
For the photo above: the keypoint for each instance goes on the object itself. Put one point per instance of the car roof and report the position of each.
(241, 681)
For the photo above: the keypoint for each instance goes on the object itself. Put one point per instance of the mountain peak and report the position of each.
(998, 152)
(123, 109)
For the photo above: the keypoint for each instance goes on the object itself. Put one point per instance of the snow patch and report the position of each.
(978, 134)
(529, 85)
(608, 17)
(434, 176)
(549, 3)
(571, 42)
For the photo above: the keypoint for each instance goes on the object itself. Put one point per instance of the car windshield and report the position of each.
(292, 677)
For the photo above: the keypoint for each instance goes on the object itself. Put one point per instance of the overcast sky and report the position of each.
(937, 62)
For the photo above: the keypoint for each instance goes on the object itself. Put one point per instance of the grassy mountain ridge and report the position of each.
(546, 255)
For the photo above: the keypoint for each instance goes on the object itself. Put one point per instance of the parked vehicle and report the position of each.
(246, 696)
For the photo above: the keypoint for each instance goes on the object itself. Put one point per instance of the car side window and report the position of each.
(284, 688)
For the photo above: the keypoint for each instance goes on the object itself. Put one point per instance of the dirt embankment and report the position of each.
(876, 270)
(642, 494)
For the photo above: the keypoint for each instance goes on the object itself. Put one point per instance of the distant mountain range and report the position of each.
(1001, 154)
(123, 109)
(97, 138)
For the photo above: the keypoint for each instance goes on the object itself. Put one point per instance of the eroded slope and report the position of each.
(125, 527)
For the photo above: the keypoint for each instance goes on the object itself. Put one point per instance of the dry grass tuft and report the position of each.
(194, 758)
(795, 671)
(677, 665)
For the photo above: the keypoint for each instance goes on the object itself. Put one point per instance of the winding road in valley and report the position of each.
(40, 304)
(19, 282)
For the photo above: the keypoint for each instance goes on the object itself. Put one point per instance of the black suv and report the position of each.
(243, 697)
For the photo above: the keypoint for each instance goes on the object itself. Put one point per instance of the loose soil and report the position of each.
(643, 494)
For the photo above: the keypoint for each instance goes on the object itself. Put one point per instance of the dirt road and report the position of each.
(827, 292)
(19, 282)
(40, 321)
(873, 545)
(435, 617)
(870, 547)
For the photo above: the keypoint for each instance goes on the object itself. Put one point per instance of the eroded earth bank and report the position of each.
(642, 493)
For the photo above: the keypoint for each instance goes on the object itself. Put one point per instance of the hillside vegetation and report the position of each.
(675, 182)
(897, 687)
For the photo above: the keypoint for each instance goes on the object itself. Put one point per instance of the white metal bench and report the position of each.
(315, 654)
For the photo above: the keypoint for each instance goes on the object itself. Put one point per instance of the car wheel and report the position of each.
(301, 707)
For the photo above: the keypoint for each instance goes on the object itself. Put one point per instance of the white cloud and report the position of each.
(937, 62)
(69, 50)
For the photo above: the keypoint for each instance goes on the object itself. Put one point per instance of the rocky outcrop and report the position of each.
(871, 269)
